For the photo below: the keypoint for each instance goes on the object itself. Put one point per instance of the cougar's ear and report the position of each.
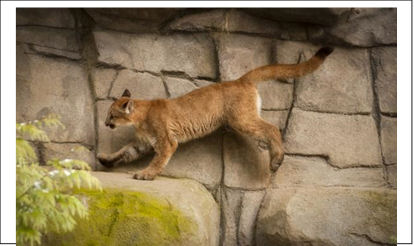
(127, 106)
(126, 93)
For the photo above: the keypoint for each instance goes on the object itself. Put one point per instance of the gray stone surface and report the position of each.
(392, 175)
(45, 86)
(236, 21)
(275, 95)
(342, 84)
(192, 54)
(206, 20)
(364, 27)
(320, 16)
(132, 20)
(314, 171)
(60, 39)
(111, 140)
(230, 211)
(277, 118)
(47, 51)
(180, 194)
(245, 164)
(250, 206)
(142, 86)
(389, 139)
(385, 63)
(103, 79)
(199, 159)
(202, 83)
(335, 216)
(53, 17)
(63, 151)
(178, 86)
(238, 54)
(348, 140)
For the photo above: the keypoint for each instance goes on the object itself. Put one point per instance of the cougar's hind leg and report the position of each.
(262, 131)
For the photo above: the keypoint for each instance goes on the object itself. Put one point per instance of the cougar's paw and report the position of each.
(145, 175)
(103, 159)
(276, 162)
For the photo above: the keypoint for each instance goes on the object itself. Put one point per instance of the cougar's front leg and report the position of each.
(127, 154)
(164, 149)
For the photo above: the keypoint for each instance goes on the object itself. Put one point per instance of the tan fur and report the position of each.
(164, 123)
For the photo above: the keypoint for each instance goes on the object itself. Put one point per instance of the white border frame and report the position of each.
(8, 91)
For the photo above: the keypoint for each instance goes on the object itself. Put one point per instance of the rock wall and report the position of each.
(337, 183)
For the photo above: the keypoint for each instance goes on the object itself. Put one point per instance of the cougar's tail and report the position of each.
(284, 71)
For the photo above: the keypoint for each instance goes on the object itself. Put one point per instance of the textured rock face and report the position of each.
(323, 16)
(389, 139)
(200, 160)
(130, 212)
(192, 54)
(69, 151)
(45, 17)
(385, 63)
(238, 54)
(103, 81)
(347, 140)
(142, 86)
(337, 216)
(277, 118)
(237, 21)
(367, 27)
(346, 90)
(138, 20)
(245, 165)
(178, 87)
(239, 210)
(61, 87)
(305, 171)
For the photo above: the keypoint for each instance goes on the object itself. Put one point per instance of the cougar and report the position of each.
(162, 124)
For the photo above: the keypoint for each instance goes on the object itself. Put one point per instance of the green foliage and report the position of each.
(45, 201)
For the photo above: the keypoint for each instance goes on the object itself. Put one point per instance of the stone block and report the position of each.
(103, 79)
(63, 151)
(132, 212)
(142, 86)
(53, 17)
(347, 140)
(335, 216)
(385, 65)
(45, 86)
(192, 54)
(178, 86)
(245, 165)
(342, 83)
(389, 139)
(298, 171)
(238, 54)
(277, 118)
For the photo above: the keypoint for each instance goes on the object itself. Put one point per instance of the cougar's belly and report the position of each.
(192, 129)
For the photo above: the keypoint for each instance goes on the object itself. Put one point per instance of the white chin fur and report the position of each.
(258, 103)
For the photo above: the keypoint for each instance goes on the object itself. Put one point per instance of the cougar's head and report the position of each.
(120, 111)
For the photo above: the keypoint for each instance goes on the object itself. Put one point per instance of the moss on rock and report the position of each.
(118, 217)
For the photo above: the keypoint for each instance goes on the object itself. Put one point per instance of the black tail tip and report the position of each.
(324, 52)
